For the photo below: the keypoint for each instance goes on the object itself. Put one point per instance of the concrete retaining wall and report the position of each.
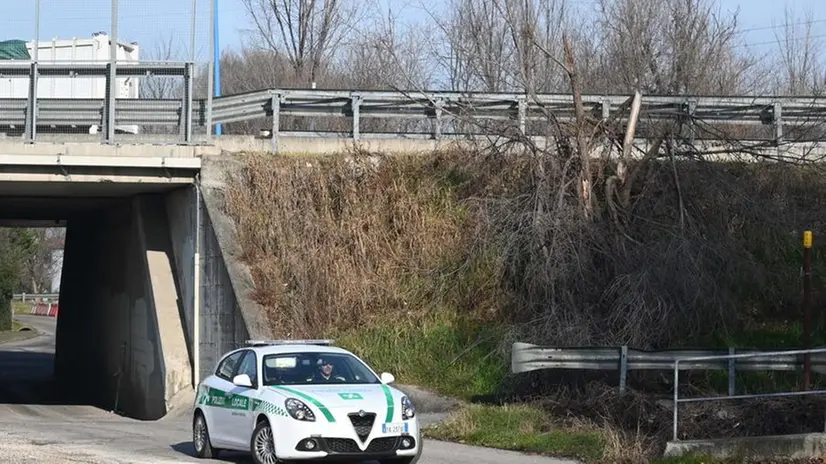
(228, 317)
(765, 448)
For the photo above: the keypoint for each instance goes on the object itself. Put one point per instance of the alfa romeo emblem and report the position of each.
(361, 413)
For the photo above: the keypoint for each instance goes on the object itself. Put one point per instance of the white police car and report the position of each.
(295, 400)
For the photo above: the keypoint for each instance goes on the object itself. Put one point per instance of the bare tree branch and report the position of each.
(802, 72)
(308, 32)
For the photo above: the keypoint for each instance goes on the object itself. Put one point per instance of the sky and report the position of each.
(149, 21)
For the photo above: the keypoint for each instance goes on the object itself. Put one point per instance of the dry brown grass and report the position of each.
(341, 241)
(336, 242)
(635, 426)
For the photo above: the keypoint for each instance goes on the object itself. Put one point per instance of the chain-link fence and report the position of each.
(60, 78)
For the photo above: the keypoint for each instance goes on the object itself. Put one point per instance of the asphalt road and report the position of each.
(32, 430)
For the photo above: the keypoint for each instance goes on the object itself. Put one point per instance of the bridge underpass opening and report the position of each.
(26, 359)
(120, 339)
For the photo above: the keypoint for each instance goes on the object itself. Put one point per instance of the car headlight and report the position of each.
(408, 411)
(298, 410)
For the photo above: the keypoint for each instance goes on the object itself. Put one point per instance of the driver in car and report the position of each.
(325, 373)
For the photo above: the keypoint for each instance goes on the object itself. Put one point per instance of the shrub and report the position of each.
(5, 315)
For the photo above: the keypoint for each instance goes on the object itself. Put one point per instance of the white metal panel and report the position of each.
(79, 51)
(69, 51)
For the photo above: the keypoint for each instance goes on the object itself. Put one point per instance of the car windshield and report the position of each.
(316, 368)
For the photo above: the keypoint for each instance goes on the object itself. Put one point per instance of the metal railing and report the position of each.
(439, 110)
(731, 396)
(69, 115)
(440, 107)
(35, 296)
(527, 357)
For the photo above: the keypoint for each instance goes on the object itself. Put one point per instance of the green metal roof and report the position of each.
(14, 50)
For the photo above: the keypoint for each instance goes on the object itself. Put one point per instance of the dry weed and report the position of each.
(335, 242)
(637, 425)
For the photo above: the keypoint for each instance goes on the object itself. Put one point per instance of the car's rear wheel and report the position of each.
(262, 444)
(200, 438)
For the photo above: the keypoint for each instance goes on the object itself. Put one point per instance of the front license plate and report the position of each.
(394, 428)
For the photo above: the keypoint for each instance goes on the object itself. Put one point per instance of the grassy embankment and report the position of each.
(21, 307)
(12, 330)
(430, 266)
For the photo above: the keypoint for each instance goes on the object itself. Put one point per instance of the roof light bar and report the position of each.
(324, 342)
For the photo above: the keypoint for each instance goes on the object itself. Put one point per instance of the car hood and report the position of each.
(342, 399)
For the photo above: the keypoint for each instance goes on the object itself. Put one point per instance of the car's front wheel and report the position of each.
(200, 438)
(262, 444)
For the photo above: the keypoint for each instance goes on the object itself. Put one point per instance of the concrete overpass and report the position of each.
(151, 293)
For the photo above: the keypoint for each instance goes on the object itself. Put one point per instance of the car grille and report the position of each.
(342, 445)
(380, 445)
(363, 424)
(346, 445)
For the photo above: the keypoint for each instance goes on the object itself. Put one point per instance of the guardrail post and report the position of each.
(606, 113)
(807, 307)
(623, 367)
(692, 128)
(731, 373)
(355, 102)
(777, 119)
(186, 105)
(112, 81)
(522, 107)
(437, 131)
(275, 104)
(109, 105)
(31, 107)
(676, 395)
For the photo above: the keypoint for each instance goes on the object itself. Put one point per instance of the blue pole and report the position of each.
(217, 59)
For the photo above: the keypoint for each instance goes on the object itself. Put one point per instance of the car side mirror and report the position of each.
(242, 380)
(387, 377)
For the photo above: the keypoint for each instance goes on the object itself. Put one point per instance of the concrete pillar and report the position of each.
(165, 334)
(78, 359)
(119, 335)
(180, 210)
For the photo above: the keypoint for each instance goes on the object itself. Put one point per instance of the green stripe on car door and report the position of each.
(309, 398)
(218, 398)
(390, 406)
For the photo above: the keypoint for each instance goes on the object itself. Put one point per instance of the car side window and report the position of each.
(249, 366)
(228, 365)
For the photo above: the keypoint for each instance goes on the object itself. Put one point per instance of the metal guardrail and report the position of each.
(35, 296)
(729, 359)
(70, 114)
(440, 107)
(527, 357)
(436, 108)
